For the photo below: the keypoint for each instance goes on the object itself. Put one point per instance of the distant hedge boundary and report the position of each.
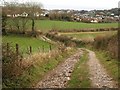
(26, 33)
(86, 30)
(68, 41)
(36, 33)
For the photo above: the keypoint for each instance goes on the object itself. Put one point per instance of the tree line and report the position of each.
(62, 16)
(20, 21)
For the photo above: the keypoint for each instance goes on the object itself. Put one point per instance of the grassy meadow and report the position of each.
(46, 25)
(25, 42)
(89, 35)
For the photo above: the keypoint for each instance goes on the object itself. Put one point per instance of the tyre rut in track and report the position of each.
(59, 77)
(98, 74)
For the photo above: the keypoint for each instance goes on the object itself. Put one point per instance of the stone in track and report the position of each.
(59, 77)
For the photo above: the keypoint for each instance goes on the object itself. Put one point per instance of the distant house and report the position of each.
(42, 14)
(112, 14)
(94, 21)
(78, 19)
(9, 15)
(24, 14)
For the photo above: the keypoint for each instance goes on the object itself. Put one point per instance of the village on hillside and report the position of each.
(92, 16)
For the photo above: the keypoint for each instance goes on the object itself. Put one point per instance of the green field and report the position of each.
(45, 25)
(89, 35)
(25, 42)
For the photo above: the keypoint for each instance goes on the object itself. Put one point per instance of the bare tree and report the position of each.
(24, 19)
(33, 9)
(24, 24)
(4, 20)
(17, 23)
(12, 9)
(16, 10)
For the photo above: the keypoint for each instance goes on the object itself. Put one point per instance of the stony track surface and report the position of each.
(59, 77)
(99, 76)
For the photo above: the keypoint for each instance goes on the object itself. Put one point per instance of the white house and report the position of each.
(94, 21)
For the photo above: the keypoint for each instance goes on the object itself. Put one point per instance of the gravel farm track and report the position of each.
(99, 76)
(58, 77)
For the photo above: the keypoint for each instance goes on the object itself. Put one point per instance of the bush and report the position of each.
(11, 63)
(108, 43)
(113, 46)
(68, 41)
(101, 42)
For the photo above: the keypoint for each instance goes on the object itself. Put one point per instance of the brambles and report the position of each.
(68, 41)
(11, 63)
(113, 46)
(108, 43)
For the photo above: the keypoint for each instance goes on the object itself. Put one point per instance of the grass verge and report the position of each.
(109, 63)
(79, 77)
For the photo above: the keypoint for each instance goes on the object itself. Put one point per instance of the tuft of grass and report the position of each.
(80, 75)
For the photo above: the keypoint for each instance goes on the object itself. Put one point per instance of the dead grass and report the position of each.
(108, 43)
(34, 67)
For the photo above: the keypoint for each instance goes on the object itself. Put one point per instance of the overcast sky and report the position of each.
(76, 4)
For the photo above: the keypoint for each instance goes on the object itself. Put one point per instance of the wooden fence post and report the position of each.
(39, 49)
(7, 49)
(43, 48)
(17, 49)
(50, 48)
(30, 49)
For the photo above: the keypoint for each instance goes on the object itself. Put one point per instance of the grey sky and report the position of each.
(76, 4)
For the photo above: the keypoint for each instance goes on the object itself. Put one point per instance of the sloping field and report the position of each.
(25, 42)
(46, 25)
(89, 35)
(58, 25)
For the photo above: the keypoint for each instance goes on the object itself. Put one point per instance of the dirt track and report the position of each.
(99, 76)
(59, 77)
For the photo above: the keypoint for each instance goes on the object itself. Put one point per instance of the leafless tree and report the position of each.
(24, 18)
(4, 18)
(10, 8)
(17, 9)
(33, 9)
